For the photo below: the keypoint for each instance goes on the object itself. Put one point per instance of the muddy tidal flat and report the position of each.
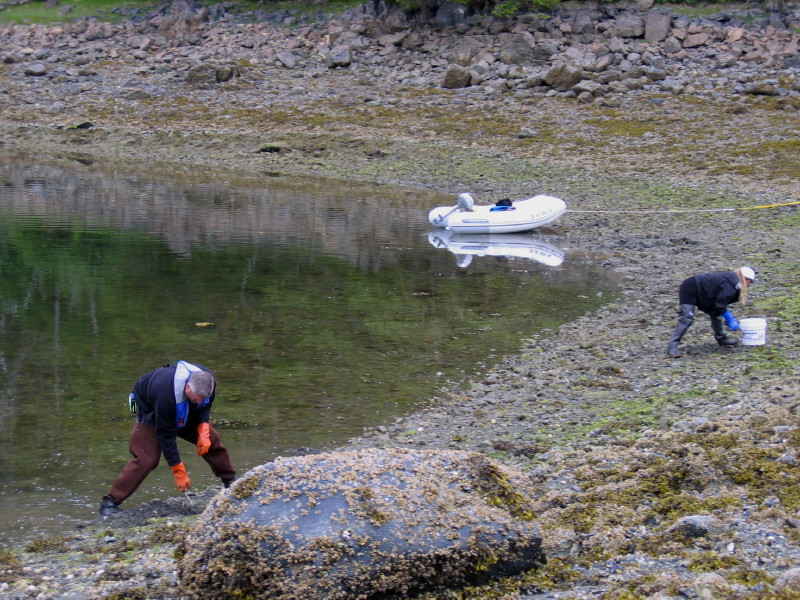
(658, 477)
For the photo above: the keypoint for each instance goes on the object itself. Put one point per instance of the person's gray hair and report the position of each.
(201, 382)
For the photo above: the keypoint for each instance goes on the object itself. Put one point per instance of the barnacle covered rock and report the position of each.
(358, 524)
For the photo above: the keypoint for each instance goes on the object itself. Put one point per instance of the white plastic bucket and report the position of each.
(754, 331)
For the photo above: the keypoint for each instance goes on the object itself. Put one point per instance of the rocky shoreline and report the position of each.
(659, 478)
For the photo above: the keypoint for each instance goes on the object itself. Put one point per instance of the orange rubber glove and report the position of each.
(203, 439)
(181, 478)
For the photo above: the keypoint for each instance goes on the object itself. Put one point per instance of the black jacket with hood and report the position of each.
(711, 292)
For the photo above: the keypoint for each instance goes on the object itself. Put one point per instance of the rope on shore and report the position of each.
(769, 205)
(686, 210)
(689, 210)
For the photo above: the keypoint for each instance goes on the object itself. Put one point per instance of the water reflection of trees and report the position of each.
(355, 222)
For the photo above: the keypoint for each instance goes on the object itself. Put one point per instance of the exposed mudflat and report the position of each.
(634, 453)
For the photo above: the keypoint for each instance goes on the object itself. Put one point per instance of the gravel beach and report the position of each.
(659, 477)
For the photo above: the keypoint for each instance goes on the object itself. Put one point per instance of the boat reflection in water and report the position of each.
(466, 245)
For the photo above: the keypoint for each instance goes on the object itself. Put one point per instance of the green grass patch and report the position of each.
(780, 157)
(625, 419)
(783, 309)
(622, 127)
(67, 11)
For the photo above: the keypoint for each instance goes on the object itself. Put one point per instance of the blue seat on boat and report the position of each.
(504, 204)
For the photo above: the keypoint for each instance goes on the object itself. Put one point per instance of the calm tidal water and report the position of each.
(323, 307)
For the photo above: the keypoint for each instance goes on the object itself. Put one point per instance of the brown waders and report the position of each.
(146, 453)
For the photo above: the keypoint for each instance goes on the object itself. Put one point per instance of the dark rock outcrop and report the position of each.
(358, 524)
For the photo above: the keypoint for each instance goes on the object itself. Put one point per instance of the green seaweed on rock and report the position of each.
(245, 487)
(56, 543)
(497, 489)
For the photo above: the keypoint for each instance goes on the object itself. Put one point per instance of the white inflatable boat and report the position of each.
(503, 217)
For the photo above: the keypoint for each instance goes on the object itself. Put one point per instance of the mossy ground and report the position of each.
(604, 414)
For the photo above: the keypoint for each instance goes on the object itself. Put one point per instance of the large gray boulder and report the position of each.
(208, 73)
(340, 56)
(456, 77)
(562, 76)
(628, 25)
(516, 48)
(657, 26)
(465, 51)
(361, 524)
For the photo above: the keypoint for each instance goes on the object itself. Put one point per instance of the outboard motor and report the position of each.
(438, 216)
(465, 202)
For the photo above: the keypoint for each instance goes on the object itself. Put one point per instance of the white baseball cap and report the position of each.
(748, 273)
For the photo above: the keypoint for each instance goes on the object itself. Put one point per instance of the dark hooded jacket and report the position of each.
(155, 406)
(711, 292)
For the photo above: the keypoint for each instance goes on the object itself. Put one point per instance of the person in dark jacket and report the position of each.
(711, 293)
(170, 402)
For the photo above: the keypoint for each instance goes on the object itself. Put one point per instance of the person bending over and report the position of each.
(711, 293)
(170, 402)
